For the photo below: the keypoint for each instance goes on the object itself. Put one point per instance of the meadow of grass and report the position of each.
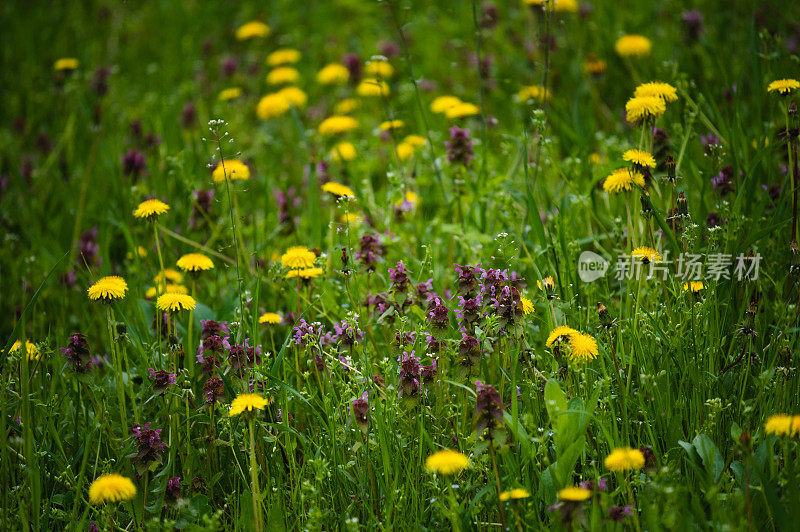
(257, 274)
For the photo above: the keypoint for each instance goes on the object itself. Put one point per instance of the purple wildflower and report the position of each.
(359, 409)
(410, 386)
(459, 147)
(162, 380)
(149, 447)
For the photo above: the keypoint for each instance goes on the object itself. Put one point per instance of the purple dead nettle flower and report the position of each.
(229, 65)
(353, 64)
(161, 323)
(470, 309)
(370, 251)
(149, 447)
(89, 249)
(459, 147)
(725, 182)
(429, 372)
(410, 385)
(208, 353)
(380, 303)
(434, 345)
(422, 292)
(709, 140)
(345, 335)
(467, 279)
(288, 209)
(650, 461)
(508, 306)
(242, 357)
(214, 390)
(93, 527)
(602, 485)
(134, 164)
(404, 339)
(399, 278)
(488, 411)
(201, 207)
(189, 115)
(469, 352)
(492, 281)
(162, 380)
(618, 513)
(77, 353)
(359, 409)
(693, 24)
(305, 332)
(438, 314)
(213, 328)
(173, 491)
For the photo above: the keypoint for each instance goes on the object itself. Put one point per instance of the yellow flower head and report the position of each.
(527, 305)
(343, 151)
(195, 262)
(271, 318)
(111, 487)
(230, 94)
(533, 92)
(404, 151)
(306, 273)
(646, 254)
(252, 30)
(295, 96)
(165, 289)
(621, 180)
(446, 462)
(633, 46)
(594, 66)
(574, 493)
(283, 75)
(693, 286)
(379, 69)
(461, 110)
(151, 209)
(298, 257)
(284, 56)
(247, 402)
(337, 189)
(546, 284)
(173, 302)
(558, 6)
(391, 125)
(582, 347)
(351, 218)
(233, 169)
(30, 349)
(640, 158)
(371, 88)
(783, 86)
(782, 424)
(624, 458)
(108, 288)
(443, 103)
(66, 63)
(333, 74)
(641, 108)
(516, 493)
(348, 105)
(334, 125)
(659, 89)
(410, 199)
(560, 334)
(272, 106)
(415, 140)
(168, 275)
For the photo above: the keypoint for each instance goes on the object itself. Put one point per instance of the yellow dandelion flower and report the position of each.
(643, 108)
(624, 458)
(391, 124)
(415, 140)
(516, 493)
(346, 106)
(639, 158)
(371, 88)
(594, 66)
(195, 262)
(621, 180)
(533, 92)
(108, 288)
(582, 347)
(282, 76)
(284, 56)
(272, 106)
(151, 209)
(350, 218)
(594, 158)
(527, 305)
(252, 30)
(463, 109)
(558, 6)
(334, 125)
(294, 95)
(30, 349)
(646, 254)
(229, 94)
(379, 69)
(306, 273)
(404, 151)
(66, 63)
(298, 257)
(574, 493)
(633, 46)
(165, 289)
(560, 334)
(546, 284)
(782, 424)
(173, 302)
(247, 402)
(693, 286)
(233, 169)
(410, 198)
(783, 86)
(443, 103)
(333, 74)
(446, 462)
(270, 318)
(659, 89)
(343, 151)
(111, 487)
(337, 189)
(168, 275)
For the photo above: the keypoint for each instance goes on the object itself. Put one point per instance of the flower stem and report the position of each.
(254, 490)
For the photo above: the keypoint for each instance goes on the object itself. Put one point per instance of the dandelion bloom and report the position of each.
(622, 179)
(391, 124)
(659, 89)
(639, 158)
(294, 95)
(582, 347)
(343, 151)
(560, 333)
(641, 108)
(233, 169)
(333, 74)
(272, 106)
(30, 349)
(151, 209)
(624, 458)
(415, 140)
(462, 109)
(173, 302)
(594, 66)
(404, 151)
(516, 493)
(527, 305)
(443, 103)
(252, 30)
(633, 46)
(446, 462)
(782, 424)
(370, 88)
(297, 257)
(533, 92)
(337, 189)
(558, 6)
(165, 289)
(646, 254)
(111, 487)
(66, 63)
(230, 94)
(546, 284)
(168, 275)
(282, 76)
(108, 288)
(305, 273)
(574, 493)
(195, 262)
(783, 86)
(379, 69)
(350, 218)
(348, 105)
(693, 286)
(247, 402)
(271, 318)
(284, 56)
(334, 125)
